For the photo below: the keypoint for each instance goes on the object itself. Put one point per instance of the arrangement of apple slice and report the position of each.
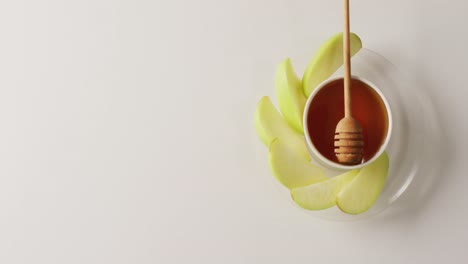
(361, 193)
(324, 194)
(269, 125)
(291, 99)
(291, 169)
(327, 60)
(355, 191)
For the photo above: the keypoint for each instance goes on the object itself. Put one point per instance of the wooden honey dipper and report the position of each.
(348, 133)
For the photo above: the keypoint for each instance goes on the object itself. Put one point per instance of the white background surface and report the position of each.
(127, 132)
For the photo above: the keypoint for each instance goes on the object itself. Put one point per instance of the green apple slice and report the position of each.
(291, 99)
(290, 168)
(361, 193)
(269, 125)
(322, 195)
(327, 60)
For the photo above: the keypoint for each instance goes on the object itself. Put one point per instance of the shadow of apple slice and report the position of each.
(322, 195)
(290, 168)
(362, 192)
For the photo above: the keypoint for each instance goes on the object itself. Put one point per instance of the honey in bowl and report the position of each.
(327, 109)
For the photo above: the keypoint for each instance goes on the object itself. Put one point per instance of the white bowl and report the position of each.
(322, 160)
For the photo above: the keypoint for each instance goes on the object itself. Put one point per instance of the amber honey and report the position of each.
(327, 109)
